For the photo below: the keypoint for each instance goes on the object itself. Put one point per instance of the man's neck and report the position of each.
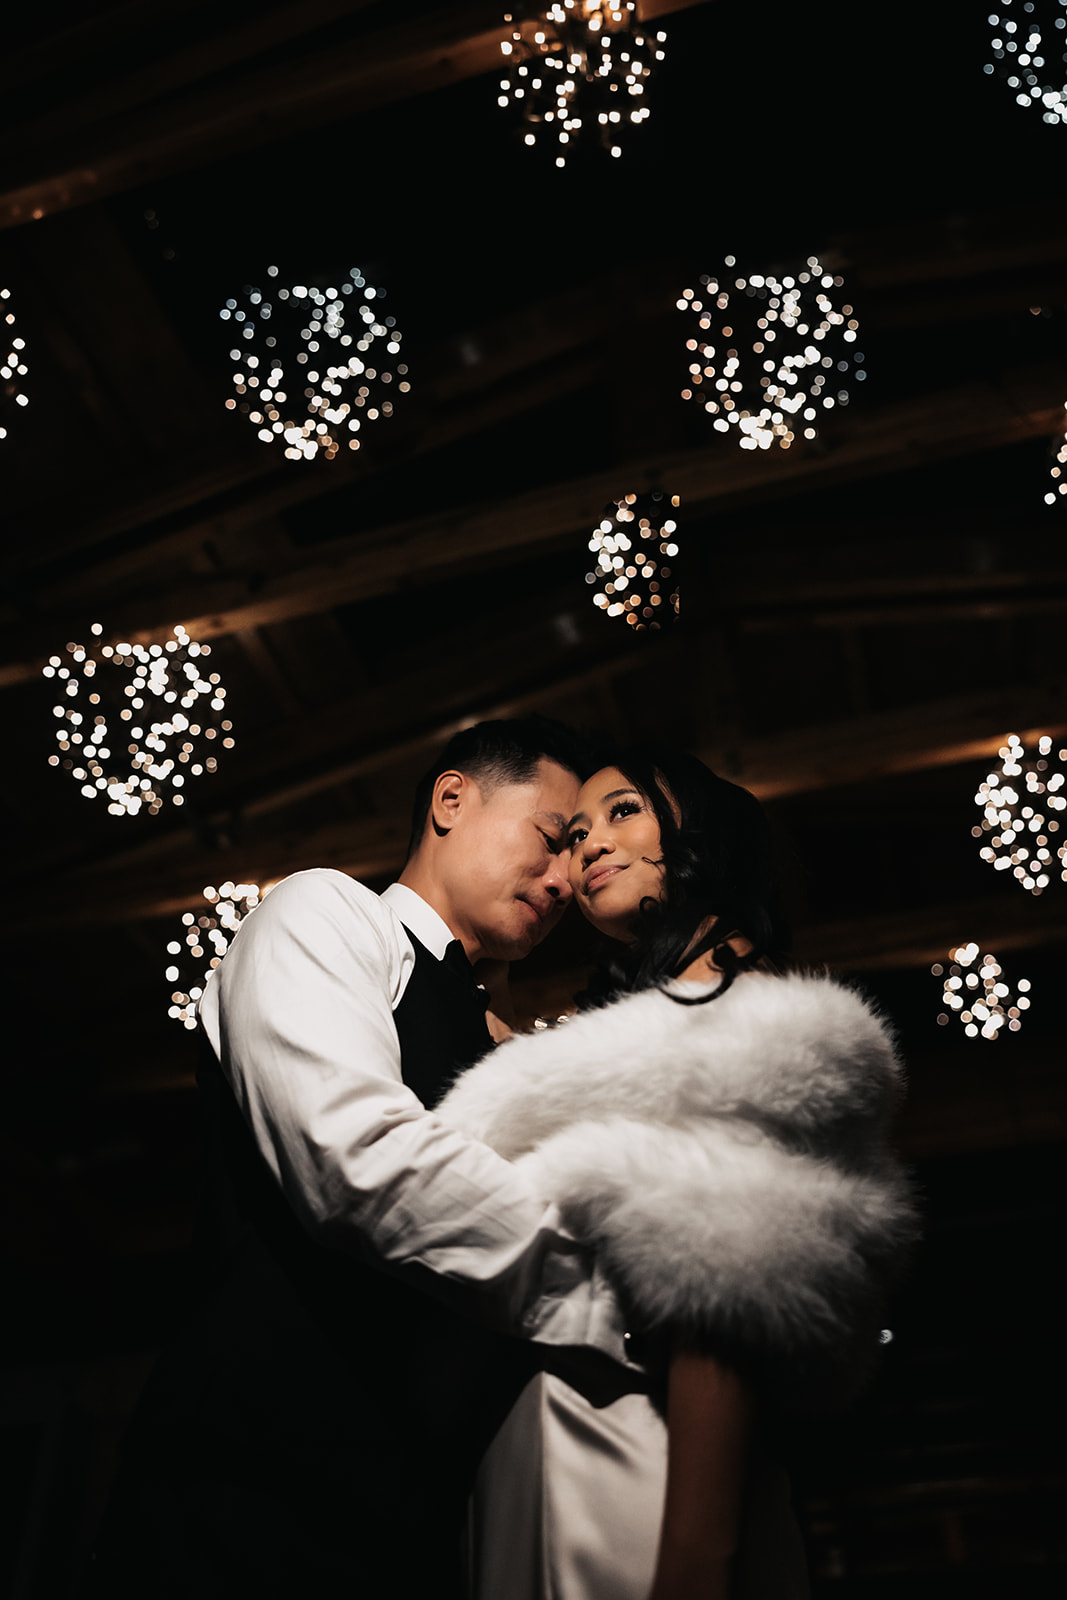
(422, 882)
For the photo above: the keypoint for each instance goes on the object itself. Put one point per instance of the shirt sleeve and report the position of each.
(300, 1014)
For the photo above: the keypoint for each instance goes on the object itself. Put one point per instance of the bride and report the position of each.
(716, 1131)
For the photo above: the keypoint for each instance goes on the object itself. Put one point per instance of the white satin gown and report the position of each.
(569, 1502)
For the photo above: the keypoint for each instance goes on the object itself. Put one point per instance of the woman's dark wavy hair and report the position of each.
(719, 878)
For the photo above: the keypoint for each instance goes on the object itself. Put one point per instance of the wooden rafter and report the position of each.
(201, 120)
(361, 566)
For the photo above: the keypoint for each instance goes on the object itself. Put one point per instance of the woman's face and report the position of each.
(615, 853)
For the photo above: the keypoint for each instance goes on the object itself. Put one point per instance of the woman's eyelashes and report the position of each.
(620, 809)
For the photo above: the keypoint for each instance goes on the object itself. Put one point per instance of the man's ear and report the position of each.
(452, 793)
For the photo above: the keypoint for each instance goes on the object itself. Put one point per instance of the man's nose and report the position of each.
(557, 882)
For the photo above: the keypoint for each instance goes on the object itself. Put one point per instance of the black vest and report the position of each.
(316, 1428)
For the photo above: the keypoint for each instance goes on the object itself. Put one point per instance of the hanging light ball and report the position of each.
(769, 355)
(136, 721)
(578, 65)
(13, 368)
(1058, 472)
(1020, 803)
(975, 991)
(635, 548)
(204, 941)
(1029, 49)
(312, 365)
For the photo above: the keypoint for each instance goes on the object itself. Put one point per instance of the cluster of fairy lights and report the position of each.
(578, 64)
(12, 358)
(212, 932)
(1030, 54)
(772, 354)
(312, 365)
(1016, 802)
(136, 721)
(975, 992)
(634, 545)
(1058, 472)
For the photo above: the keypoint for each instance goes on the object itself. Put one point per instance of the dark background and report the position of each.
(863, 622)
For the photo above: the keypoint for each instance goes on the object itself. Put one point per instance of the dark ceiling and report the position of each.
(863, 619)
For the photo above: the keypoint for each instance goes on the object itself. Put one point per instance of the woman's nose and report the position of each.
(594, 846)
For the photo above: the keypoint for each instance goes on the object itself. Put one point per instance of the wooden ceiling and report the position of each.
(864, 618)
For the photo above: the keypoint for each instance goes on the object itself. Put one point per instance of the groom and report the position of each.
(377, 1284)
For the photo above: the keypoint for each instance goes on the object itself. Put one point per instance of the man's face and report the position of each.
(507, 861)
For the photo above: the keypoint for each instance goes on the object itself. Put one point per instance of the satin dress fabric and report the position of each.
(568, 1502)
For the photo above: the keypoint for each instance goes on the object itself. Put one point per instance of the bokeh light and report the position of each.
(975, 991)
(636, 547)
(770, 355)
(137, 721)
(13, 368)
(311, 365)
(203, 941)
(575, 68)
(1028, 44)
(1058, 472)
(1021, 803)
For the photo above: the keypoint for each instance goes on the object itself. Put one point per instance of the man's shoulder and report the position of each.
(324, 892)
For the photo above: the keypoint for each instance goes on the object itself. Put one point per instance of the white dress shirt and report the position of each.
(300, 1015)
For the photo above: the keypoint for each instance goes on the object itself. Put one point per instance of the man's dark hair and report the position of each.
(501, 751)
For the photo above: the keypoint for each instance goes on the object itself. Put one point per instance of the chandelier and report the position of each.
(1020, 803)
(136, 721)
(578, 64)
(976, 992)
(1029, 48)
(770, 355)
(12, 362)
(312, 365)
(205, 939)
(635, 547)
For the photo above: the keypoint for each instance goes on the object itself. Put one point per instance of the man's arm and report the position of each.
(300, 1015)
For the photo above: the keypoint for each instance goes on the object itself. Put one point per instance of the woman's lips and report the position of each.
(596, 877)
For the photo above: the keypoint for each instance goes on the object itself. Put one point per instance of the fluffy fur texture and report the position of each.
(728, 1162)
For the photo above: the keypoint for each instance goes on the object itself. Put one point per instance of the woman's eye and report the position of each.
(624, 808)
(575, 836)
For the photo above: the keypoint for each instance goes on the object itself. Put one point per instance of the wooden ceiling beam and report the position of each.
(361, 566)
(207, 119)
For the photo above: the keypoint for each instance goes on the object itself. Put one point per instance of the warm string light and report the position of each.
(976, 993)
(1058, 472)
(1016, 803)
(1029, 47)
(335, 346)
(12, 360)
(772, 353)
(576, 65)
(635, 546)
(211, 932)
(137, 720)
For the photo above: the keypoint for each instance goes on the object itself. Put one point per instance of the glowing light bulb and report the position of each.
(312, 365)
(635, 547)
(768, 355)
(136, 722)
(569, 67)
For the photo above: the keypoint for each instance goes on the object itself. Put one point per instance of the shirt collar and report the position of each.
(423, 921)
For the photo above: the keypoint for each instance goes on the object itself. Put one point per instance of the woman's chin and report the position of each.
(614, 922)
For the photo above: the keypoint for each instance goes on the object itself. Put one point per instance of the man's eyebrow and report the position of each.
(556, 818)
(580, 816)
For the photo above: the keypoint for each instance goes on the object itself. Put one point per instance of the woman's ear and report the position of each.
(451, 792)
